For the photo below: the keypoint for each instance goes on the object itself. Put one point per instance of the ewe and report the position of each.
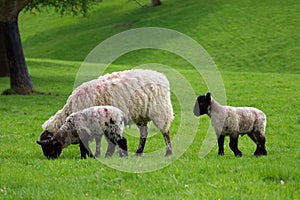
(143, 95)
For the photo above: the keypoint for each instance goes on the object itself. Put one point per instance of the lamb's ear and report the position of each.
(208, 98)
(196, 108)
(41, 142)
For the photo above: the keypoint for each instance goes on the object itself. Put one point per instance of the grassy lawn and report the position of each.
(255, 45)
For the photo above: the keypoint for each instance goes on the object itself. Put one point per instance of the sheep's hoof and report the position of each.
(238, 154)
(221, 153)
(138, 154)
(97, 155)
(168, 152)
(260, 153)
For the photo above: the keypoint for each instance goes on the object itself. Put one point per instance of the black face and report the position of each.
(46, 135)
(51, 148)
(202, 104)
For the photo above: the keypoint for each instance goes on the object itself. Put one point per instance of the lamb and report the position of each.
(83, 126)
(232, 121)
(143, 95)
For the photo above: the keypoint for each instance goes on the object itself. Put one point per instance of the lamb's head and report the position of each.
(52, 148)
(46, 135)
(202, 104)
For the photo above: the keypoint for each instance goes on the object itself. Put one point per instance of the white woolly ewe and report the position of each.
(85, 125)
(143, 95)
(232, 121)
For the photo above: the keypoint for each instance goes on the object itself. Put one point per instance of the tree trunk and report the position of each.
(13, 54)
(4, 68)
(156, 3)
(11, 51)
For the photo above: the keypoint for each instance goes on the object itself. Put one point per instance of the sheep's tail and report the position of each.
(56, 121)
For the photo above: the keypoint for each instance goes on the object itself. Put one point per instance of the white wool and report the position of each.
(143, 95)
(228, 120)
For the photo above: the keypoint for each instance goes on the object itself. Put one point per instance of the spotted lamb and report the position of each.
(143, 95)
(233, 121)
(83, 126)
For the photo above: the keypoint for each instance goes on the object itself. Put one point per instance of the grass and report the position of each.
(255, 45)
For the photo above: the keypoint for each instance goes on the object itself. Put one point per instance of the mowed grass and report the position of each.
(255, 46)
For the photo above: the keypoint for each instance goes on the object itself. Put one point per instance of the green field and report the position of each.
(256, 47)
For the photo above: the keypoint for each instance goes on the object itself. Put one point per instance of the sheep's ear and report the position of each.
(208, 98)
(41, 142)
(196, 108)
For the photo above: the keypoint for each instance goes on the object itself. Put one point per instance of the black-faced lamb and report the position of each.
(143, 95)
(85, 125)
(233, 121)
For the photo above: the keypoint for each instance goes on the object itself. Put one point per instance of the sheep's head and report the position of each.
(51, 148)
(202, 104)
(46, 135)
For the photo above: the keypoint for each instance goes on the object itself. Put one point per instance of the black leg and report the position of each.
(110, 149)
(262, 142)
(143, 138)
(82, 150)
(168, 143)
(259, 140)
(234, 145)
(253, 138)
(122, 144)
(221, 145)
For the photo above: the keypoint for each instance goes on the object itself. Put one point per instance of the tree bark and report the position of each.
(11, 51)
(156, 3)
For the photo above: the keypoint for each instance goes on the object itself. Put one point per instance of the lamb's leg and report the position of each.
(84, 143)
(168, 143)
(83, 150)
(122, 145)
(84, 147)
(234, 145)
(143, 137)
(259, 140)
(98, 145)
(110, 148)
(262, 142)
(221, 145)
(258, 146)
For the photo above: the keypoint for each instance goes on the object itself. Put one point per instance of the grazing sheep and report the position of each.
(83, 126)
(233, 121)
(143, 95)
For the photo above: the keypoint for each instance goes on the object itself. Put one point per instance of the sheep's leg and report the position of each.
(262, 142)
(221, 145)
(84, 143)
(98, 145)
(168, 143)
(84, 151)
(84, 147)
(258, 146)
(234, 145)
(143, 137)
(122, 145)
(110, 148)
